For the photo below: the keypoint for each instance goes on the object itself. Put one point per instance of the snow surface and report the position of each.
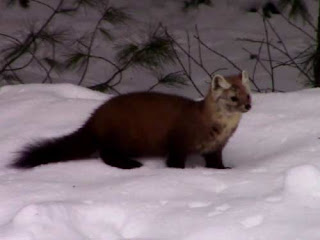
(271, 192)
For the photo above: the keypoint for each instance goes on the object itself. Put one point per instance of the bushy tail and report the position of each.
(77, 145)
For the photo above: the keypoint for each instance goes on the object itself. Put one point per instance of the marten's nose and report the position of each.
(247, 106)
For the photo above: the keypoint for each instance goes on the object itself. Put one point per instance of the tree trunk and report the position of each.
(316, 63)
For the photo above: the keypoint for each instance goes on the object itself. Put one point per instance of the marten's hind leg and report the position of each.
(117, 159)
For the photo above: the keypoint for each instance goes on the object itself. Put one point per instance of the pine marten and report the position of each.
(152, 124)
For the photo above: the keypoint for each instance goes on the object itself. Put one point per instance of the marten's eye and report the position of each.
(234, 99)
(248, 96)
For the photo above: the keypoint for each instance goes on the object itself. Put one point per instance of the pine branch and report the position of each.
(76, 60)
(108, 36)
(19, 44)
(154, 53)
(32, 39)
(298, 8)
(195, 4)
(22, 3)
(111, 15)
(116, 15)
(175, 79)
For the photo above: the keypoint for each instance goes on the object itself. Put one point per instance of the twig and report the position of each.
(44, 4)
(227, 59)
(153, 86)
(287, 51)
(217, 70)
(185, 51)
(186, 72)
(106, 60)
(269, 53)
(189, 53)
(19, 68)
(199, 46)
(190, 56)
(105, 84)
(51, 67)
(299, 28)
(16, 76)
(93, 36)
(281, 51)
(119, 70)
(301, 55)
(257, 61)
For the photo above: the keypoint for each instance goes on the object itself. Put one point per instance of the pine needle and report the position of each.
(154, 53)
(297, 8)
(195, 3)
(76, 60)
(175, 79)
(107, 35)
(116, 15)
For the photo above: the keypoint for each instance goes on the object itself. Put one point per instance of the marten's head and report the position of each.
(231, 93)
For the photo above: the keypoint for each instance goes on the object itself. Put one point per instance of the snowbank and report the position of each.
(272, 191)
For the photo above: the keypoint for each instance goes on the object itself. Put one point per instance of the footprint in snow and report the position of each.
(199, 204)
(219, 209)
(163, 202)
(252, 221)
(259, 170)
(273, 199)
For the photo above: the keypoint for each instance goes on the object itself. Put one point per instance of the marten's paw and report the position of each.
(120, 162)
(130, 164)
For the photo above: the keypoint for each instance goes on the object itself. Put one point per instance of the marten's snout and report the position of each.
(247, 107)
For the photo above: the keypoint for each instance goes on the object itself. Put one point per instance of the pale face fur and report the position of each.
(227, 99)
(232, 94)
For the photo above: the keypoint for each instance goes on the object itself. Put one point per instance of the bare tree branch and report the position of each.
(227, 59)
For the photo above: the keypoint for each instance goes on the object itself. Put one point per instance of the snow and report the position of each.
(252, 221)
(271, 192)
(303, 181)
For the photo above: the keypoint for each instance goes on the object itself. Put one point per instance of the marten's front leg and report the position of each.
(176, 159)
(214, 159)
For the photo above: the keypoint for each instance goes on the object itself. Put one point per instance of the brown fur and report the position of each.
(153, 124)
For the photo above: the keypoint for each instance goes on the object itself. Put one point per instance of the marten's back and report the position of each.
(140, 123)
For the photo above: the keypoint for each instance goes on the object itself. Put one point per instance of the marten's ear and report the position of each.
(219, 81)
(245, 77)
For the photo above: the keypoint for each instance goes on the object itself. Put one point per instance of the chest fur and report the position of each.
(219, 131)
